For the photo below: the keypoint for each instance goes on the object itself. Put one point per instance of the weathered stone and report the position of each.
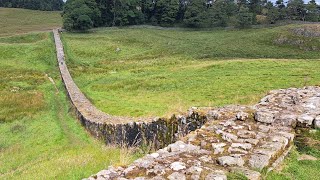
(245, 146)
(206, 158)
(195, 172)
(259, 161)
(180, 146)
(177, 176)
(237, 150)
(218, 175)
(246, 134)
(250, 174)
(317, 122)
(229, 137)
(158, 169)
(268, 152)
(287, 120)
(264, 128)
(305, 120)
(242, 116)
(230, 161)
(218, 147)
(264, 116)
(176, 166)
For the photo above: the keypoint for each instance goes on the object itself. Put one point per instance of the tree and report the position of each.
(244, 17)
(272, 13)
(281, 9)
(45, 5)
(312, 11)
(195, 14)
(166, 11)
(296, 10)
(80, 15)
(220, 12)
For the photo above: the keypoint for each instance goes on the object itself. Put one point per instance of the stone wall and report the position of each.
(124, 130)
(212, 141)
(240, 139)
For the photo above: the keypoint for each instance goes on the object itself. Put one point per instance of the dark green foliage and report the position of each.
(296, 10)
(313, 12)
(195, 13)
(45, 5)
(198, 13)
(80, 15)
(166, 11)
(244, 17)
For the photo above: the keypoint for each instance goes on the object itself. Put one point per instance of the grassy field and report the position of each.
(39, 138)
(159, 72)
(16, 21)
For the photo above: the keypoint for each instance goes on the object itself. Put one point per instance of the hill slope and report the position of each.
(16, 21)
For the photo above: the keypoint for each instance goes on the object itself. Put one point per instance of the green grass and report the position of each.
(159, 72)
(39, 138)
(15, 21)
(307, 143)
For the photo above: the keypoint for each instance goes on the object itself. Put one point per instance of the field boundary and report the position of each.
(157, 132)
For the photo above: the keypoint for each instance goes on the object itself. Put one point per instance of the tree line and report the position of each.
(44, 5)
(84, 14)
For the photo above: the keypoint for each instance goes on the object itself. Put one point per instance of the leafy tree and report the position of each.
(296, 10)
(312, 11)
(281, 9)
(195, 14)
(127, 12)
(45, 5)
(272, 13)
(166, 11)
(244, 17)
(220, 12)
(80, 15)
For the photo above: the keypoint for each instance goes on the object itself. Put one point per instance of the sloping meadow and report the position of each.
(39, 139)
(156, 72)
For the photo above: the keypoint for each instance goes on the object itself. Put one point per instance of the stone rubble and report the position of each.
(238, 139)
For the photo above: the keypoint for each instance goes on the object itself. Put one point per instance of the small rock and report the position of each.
(206, 158)
(230, 161)
(242, 116)
(264, 128)
(245, 146)
(218, 175)
(236, 150)
(176, 166)
(218, 147)
(154, 155)
(250, 174)
(317, 122)
(305, 120)
(229, 137)
(259, 161)
(264, 116)
(177, 176)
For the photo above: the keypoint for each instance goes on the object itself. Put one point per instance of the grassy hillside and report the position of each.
(39, 139)
(16, 21)
(159, 72)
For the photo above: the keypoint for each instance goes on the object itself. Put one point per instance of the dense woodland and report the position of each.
(84, 14)
(44, 5)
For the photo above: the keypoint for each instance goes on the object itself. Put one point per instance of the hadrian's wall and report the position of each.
(211, 141)
(124, 130)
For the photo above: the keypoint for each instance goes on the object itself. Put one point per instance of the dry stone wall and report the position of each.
(238, 139)
(124, 130)
(211, 141)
